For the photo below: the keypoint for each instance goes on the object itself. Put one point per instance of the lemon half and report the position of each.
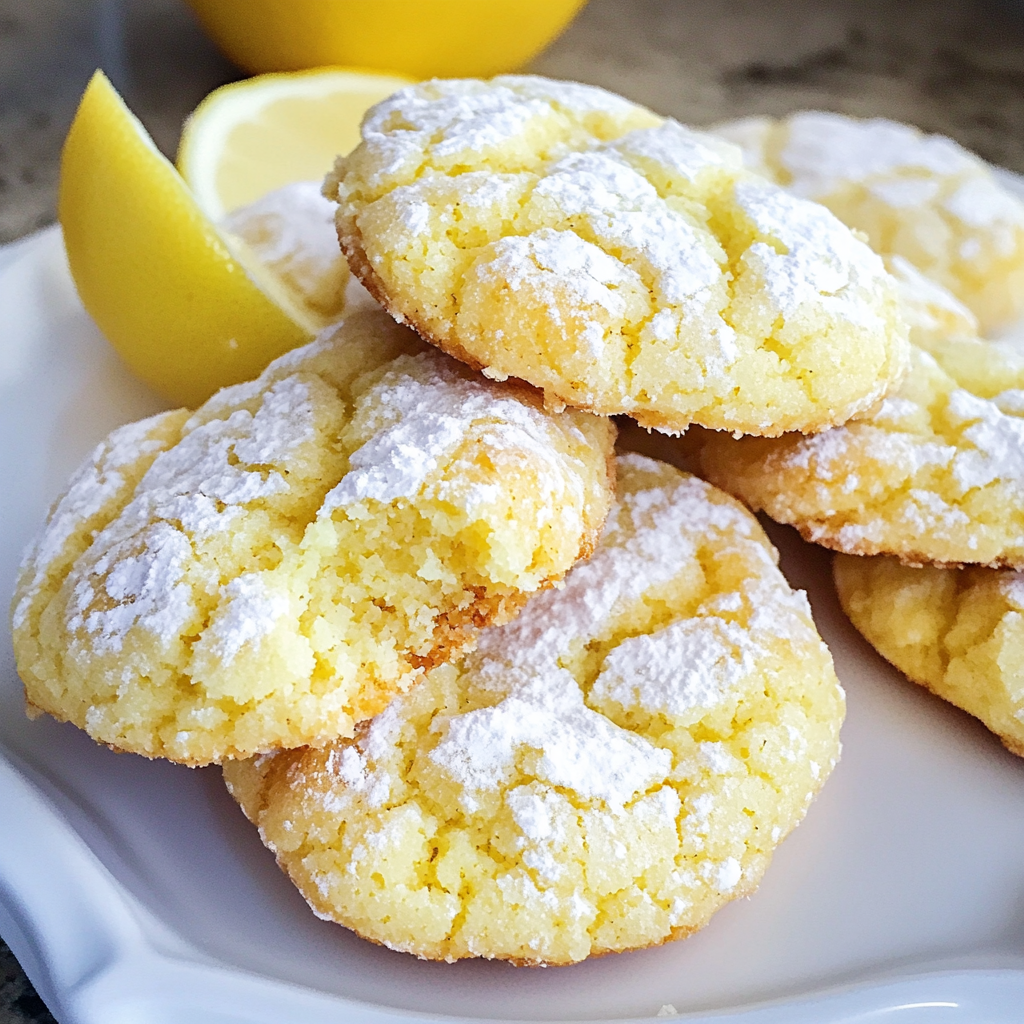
(247, 139)
(181, 303)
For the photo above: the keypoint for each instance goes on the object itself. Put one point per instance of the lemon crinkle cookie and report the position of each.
(274, 567)
(291, 231)
(602, 774)
(919, 196)
(958, 632)
(934, 475)
(624, 263)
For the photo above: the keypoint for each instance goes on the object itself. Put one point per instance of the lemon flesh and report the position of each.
(447, 38)
(171, 294)
(247, 139)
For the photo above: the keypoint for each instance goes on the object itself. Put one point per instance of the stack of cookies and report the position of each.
(486, 688)
(930, 484)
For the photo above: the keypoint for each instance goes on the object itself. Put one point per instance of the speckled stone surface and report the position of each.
(153, 50)
(952, 66)
(19, 1003)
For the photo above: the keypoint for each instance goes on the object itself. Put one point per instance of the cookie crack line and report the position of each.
(673, 236)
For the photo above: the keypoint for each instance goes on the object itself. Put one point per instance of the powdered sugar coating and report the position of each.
(922, 197)
(291, 231)
(196, 488)
(822, 263)
(415, 417)
(524, 804)
(931, 311)
(94, 485)
(249, 613)
(298, 543)
(556, 233)
(579, 749)
(980, 202)
(642, 673)
(822, 151)
(935, 474)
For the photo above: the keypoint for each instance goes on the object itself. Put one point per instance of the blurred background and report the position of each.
(951, 66)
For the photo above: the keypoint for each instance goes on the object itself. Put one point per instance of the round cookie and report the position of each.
(602, 774)
(958, 632)
(919, 196)
(934, 475)
(291, 231)
(625, 264)
(271, 569)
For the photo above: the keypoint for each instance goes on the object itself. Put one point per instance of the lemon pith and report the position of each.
(152, 270)
(249, 138)
(447, 38)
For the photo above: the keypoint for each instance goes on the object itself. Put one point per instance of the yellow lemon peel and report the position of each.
(183, 305)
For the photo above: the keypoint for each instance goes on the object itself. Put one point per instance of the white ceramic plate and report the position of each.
(134, 891)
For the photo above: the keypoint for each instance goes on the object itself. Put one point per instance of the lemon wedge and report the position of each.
(187, 308)
(250, 138)
(448, 38)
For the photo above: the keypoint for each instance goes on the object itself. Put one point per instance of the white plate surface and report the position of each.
(134, 891)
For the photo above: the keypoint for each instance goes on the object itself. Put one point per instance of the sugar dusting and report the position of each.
(461, 119)
(627, 217)
(823, 150)
(579, 749)
(824, 264)
(93, 485)
(416, 416)
(676, 151)
(694, 663)
(643, 672)
(249, 612)
(926, 305)
(291, 230)
(994, 443)
(561, 270)
(980, 202)
(197, 487)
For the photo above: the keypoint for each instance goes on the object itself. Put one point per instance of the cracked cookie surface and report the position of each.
(601, 774)
(934, 475)
(923, 197)
(272, 568)
(625, 264)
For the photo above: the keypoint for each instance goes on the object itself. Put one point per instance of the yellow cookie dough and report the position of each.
(602, 774)
(625, 264)
(919, 196)
(272, 568)
(958, 632)
(934, 474)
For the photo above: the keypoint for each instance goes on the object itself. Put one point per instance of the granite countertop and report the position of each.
(952, 66)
